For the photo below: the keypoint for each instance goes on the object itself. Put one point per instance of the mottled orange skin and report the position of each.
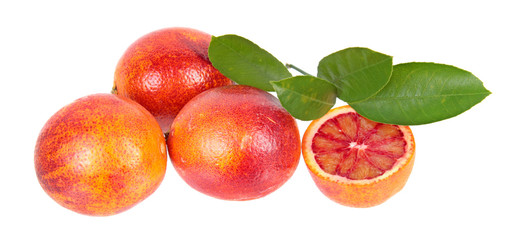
(357, 193)
(234, 143)
(164, 69)
(100, 155)
(363, 195)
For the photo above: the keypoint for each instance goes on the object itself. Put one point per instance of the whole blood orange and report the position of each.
(100, 155)
(164, 69)
(234, 143)
(355, 161)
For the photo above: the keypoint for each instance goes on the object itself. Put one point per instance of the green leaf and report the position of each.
(245, 62)
(420, 93)
(305, 97)
(357, 73)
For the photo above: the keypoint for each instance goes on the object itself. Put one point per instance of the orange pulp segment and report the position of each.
(356, 161)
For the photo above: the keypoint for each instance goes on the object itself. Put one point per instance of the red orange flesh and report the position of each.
(355, 161)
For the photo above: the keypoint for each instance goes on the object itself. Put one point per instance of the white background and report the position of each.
(52, 53)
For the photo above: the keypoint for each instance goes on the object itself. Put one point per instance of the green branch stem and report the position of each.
(297, 69)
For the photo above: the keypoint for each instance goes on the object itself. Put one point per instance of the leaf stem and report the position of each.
(297, 69)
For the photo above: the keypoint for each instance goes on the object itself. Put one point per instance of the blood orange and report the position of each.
(166, 68)
(100, 155)
(234, 143)
(355, 161)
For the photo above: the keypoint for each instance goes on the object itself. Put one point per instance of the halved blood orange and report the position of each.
(355, 161)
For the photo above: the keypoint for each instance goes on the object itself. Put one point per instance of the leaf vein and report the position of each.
(308, 97)
(419, 97)
(365, 68)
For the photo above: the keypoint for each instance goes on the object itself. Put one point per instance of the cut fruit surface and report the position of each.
(356, 148)
(355, 161)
